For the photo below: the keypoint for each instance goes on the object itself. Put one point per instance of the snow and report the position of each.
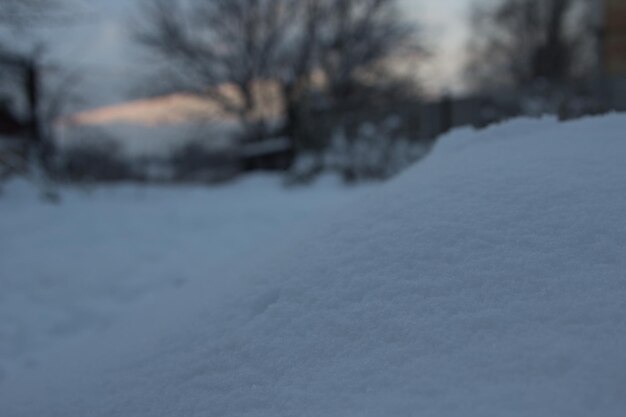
(488, 280)
(75, 267)
(137, 141)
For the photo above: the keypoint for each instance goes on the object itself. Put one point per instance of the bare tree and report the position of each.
(212, 45)
(355, 46)
(519, 42)
(360, 35)
(24, 74)
(294, 45)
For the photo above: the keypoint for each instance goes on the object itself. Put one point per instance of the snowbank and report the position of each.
(77, 267)
(486, 281)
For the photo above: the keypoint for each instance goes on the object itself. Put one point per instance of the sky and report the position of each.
(445, 22)
(98, 46)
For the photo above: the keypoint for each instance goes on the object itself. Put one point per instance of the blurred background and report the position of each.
(193, 91)
(151, 146)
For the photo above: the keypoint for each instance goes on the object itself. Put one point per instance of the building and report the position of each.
(613, 52)
(614, 55)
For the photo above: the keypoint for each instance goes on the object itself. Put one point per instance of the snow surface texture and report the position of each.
(489, 280)
(78, 266)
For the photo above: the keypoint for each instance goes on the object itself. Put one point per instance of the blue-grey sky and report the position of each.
(99, 44)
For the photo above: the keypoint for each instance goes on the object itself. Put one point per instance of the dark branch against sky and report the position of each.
(98, 44)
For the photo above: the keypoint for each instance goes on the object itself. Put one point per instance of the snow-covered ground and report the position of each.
(77, 266)
(487, 281)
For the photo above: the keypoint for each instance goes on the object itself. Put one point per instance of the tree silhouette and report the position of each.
(520, 42)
